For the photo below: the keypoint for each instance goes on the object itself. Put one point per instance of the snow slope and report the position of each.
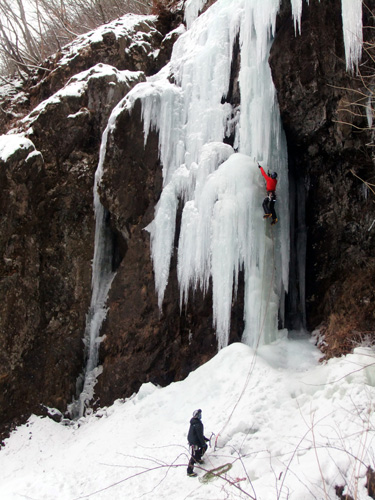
(288, 427)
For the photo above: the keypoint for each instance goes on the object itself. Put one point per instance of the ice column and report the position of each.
(261, 136)
(102, 276)
(351, 11)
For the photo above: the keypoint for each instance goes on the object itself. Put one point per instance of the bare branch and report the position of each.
(29, 38)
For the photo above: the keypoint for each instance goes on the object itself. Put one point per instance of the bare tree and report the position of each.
(31, 30)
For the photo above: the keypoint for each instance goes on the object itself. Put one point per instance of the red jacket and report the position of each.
(271, 183)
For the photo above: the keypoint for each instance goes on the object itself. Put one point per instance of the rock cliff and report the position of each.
(323, 109)
(47, 224)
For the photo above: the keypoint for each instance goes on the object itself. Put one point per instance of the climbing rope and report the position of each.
(253, 361)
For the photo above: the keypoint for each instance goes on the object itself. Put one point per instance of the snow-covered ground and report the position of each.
(285, 426)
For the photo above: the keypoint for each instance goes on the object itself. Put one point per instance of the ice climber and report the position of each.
(197, 442)
(270, 200)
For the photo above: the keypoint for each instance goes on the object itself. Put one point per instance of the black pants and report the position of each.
(269, 204)
(197, 453)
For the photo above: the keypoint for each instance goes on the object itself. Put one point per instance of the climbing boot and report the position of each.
(273, 222)
(192, 474)
(267, 216)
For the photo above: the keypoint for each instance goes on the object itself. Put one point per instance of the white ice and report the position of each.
(351, 17)
(192, 10)
(297, 14)
(352, 29)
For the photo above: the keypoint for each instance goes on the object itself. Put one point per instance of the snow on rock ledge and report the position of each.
(80, 109)
(9, 145)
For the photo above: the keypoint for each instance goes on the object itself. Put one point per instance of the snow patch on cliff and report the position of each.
(124, 26)
(77, 86)
(9, 144)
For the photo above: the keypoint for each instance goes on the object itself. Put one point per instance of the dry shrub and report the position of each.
(351, 320)
(340, 335)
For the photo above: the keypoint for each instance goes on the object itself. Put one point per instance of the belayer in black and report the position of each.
(197, 442)
(270, 200)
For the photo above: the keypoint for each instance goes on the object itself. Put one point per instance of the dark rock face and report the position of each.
(47, 224)
(45, 280)
(325, 143)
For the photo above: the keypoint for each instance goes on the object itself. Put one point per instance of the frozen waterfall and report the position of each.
(351, 19)
(102, 277)
(222, 231)
(209, 149)
(220, 186)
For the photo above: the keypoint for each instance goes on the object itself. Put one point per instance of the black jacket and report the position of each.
(195, 434)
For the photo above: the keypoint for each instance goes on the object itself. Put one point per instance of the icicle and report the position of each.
(162, 230)
(102, 277)
(161, 111)
(369, 111)
(192, 10)
(351, 11)
(195, 243)
(297, 14)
